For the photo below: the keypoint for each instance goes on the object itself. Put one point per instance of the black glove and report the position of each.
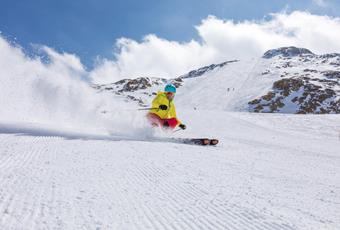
(163, 107)
(182, 126)
(166, 124)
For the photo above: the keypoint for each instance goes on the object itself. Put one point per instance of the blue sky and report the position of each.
(89, 28)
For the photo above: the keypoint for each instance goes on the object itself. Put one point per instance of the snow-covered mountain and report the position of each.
(308, 83)
(285, 80)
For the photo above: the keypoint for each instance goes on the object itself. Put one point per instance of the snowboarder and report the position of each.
(163, 111)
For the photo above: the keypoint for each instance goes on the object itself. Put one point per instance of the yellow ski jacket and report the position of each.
(161, 99)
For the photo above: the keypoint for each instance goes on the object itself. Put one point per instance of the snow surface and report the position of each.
(271, 171)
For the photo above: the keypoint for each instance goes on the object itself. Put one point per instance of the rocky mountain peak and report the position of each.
(287, 52)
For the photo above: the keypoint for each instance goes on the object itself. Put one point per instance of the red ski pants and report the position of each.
(157, 121)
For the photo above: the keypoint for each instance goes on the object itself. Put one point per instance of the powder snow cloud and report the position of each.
(54, 92)
(219, 40)
(53, 89)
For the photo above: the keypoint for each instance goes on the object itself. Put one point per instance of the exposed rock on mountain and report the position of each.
(315, 89)
(297, 95)
(137, 89)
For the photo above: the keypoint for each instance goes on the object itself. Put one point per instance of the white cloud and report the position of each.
(220, 40)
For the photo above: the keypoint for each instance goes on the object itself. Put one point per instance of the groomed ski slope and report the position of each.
(270, 171)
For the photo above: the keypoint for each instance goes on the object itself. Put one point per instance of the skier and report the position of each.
(163, 111)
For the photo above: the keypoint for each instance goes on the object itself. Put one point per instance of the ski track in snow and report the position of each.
(269, 172)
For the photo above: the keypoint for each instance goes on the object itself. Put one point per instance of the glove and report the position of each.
(182, 126)
(166, 124)
(163, 107)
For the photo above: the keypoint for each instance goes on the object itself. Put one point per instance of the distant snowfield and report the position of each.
(270, 171)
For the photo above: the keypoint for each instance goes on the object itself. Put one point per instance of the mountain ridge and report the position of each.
(283, 80)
